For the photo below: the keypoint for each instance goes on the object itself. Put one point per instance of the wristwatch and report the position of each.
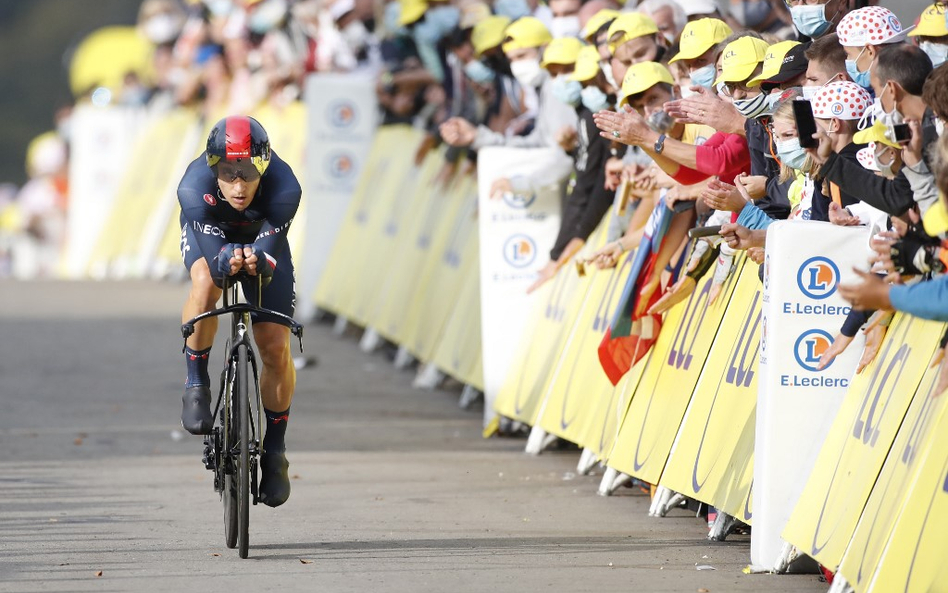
(660, 144)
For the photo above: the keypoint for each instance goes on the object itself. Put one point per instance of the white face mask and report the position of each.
(937, 52)
(939, 127)
(565, 26)
(162, 28)
(884, 168)
(266, 16)
(356, 35)
(527, 72)
(606, 68)
(809, 91)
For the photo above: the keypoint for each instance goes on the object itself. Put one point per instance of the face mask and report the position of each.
(512, 9)
(527, 72)
(885, 169)
(810, 19)
(938, 52)
(753, 107)
(478, 72)
(752, 14)
(860, 78)
(704, 76)
(939, 127)
(772, 100)
(162, 28)
(594, 99)
(267, 16)
(565, 26)
(660, 122)
(567, 90)
(356, 35)
(606, 68)
(809, 92)
(791, 153)
(888, 118)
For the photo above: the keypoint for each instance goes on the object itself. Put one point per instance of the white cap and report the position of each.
(693, 7)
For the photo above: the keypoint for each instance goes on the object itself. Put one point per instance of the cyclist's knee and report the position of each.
(203, 288)
(273, 341)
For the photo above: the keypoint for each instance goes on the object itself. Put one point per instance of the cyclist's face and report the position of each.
(238, 183)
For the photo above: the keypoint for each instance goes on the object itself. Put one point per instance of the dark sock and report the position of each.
(276, 431)
(197, 367)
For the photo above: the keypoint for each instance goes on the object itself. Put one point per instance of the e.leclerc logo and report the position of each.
(807, 351)
(340, 165)
(818, 277)
(520, 251)
(521, 195)
(342, 114)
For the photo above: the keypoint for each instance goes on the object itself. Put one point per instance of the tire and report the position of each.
(243, 464)
(229, 436)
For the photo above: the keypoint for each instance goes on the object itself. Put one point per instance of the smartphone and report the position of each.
(704, 231)
(902, 133)
(806, 125)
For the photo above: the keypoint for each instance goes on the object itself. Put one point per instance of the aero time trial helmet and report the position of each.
(239, 137)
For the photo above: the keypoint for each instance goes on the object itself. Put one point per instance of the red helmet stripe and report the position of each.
(237, 134)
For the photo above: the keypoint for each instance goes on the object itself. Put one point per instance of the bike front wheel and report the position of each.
(243, 462)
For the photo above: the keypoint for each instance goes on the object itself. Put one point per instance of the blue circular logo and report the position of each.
(810, 346)
(340, 165)
(342, 114)
(520, 251)
(521, 195)
(817, 277)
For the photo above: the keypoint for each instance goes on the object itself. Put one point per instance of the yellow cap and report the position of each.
(631, 25)
(641, 77)
(699, 36)
(773, 61)
(596, 22)
(587, 64)
(526, 32)
(488, 34)
(562, 50)
(935, 219)
(931, 23)
(411, 11)
(741, 58)
(877, 132)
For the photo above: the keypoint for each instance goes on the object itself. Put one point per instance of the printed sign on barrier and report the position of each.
(516, 234)
(712, 458)
(797, 402)
(890, 488)
(855, 448)
(663, 393)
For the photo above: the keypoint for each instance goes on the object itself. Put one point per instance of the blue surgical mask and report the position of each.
(512, 9)
(478, 72)
(810, 19)
(704, 76)
(791, 153)
(860, 78)
(938, 52)
(594, 99)
(752, 13)
(567, 90)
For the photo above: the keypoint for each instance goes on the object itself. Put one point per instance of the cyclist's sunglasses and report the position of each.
(230, 171)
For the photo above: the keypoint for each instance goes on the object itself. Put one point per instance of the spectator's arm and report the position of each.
(927, 300)
(894, 197)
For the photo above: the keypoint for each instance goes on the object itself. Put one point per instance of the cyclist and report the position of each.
(237, 202)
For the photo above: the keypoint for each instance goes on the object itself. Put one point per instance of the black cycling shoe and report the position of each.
(196, 415)
(274, 480)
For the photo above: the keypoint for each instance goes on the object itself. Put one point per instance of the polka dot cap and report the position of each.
(843, 100)
(872, 25)
(866, 157)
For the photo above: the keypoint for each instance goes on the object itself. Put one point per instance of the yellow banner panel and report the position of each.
(712, 459)
(344, 278)
(914, 556)
(663, 393)
(458, 352)
(856, 446)
(888, 494)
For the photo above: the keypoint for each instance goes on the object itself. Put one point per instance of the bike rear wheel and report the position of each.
(243, 463)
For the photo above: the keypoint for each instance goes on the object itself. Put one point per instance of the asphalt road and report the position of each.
(393, 488)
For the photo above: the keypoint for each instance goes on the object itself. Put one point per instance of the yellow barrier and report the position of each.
(659, 402)
(458, 352)
(856, 446)
(712, 459)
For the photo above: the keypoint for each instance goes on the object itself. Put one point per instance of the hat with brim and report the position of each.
(527, 32)
(641, 77)
(562, 51)
(587, 64)
(931, 23)
(629, 26)
(877, 132)
(488, 33)
(741, 57)
(871, 25)
(411, 11)
(598, 21)
(699, 36)
(842, 99)
(784, 61)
